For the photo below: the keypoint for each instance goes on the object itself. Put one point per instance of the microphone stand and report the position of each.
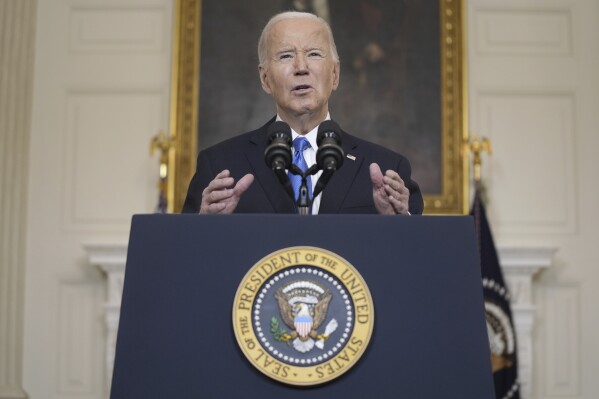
(304, 202)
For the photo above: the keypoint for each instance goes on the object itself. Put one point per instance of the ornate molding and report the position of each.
(184, 100)
(520, 265)
(111, 259)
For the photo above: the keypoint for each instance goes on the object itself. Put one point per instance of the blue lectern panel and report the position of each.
(176, 338)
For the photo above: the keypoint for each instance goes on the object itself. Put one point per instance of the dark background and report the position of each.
(390, 75)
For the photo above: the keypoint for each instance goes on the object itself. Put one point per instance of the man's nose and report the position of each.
(301, 64)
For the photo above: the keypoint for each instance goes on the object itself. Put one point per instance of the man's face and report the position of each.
(300, 72)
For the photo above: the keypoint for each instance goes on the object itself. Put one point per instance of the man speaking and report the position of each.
(299, 67)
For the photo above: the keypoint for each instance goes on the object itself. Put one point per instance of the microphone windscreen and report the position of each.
(329, 126)
(329, 154)
(278, 153)
(278, 127)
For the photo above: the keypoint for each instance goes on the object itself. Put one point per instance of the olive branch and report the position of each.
(278, 332)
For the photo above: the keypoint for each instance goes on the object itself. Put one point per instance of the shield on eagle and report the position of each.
(303, 321)
(303, 307)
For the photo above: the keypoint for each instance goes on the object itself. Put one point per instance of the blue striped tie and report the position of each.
(299, 145)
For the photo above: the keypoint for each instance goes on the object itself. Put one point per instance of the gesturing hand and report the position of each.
(222, 194)
(389, 192)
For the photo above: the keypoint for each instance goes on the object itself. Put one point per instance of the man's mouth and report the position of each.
(300, 88)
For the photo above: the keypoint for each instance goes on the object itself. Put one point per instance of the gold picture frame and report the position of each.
(452, 197)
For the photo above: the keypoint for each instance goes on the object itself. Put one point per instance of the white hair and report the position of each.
(263, 42)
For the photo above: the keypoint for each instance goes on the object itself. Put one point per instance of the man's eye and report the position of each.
(315, 54)
(285, 56)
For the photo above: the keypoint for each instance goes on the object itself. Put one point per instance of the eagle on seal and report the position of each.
(304, 319)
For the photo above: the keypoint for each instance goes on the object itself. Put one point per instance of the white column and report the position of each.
(17, 23)
(519, 266)
(111, 259)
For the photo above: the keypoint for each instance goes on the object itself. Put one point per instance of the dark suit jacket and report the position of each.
(349, 190)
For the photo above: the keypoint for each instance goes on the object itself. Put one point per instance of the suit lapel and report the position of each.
(339, 185)
(266, 178)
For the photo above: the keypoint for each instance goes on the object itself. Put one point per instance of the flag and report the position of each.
(500, 325)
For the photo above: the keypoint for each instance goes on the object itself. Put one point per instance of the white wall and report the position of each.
(534, 91)
(102, 89)
(102, 82)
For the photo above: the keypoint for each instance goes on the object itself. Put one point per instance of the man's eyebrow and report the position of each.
(288, 49)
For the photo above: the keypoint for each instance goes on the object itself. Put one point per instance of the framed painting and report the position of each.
(402, 84)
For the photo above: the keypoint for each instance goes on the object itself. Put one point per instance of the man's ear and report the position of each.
(262, 71)
(336, 73)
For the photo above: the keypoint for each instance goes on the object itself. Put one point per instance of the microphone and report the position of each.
(329, 156)
(278, 152)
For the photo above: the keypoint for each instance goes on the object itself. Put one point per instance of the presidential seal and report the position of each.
(501, 336)
(303, 315)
